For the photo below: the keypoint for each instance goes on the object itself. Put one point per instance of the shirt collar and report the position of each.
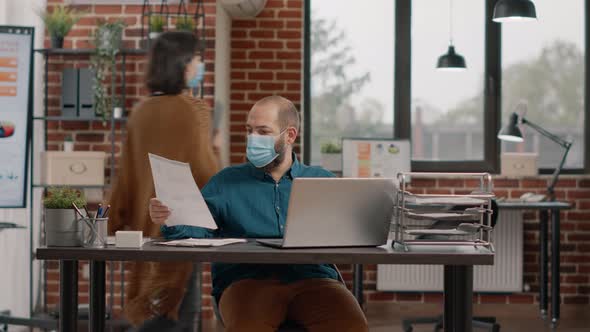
(294, 171)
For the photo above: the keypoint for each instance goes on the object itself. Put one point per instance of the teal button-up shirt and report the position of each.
(246, 202)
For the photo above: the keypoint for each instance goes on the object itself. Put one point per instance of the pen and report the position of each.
(77, 210)
(106, 211)
(98, 213)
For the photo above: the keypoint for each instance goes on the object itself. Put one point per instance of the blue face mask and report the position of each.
(196, 80)
(261, 149)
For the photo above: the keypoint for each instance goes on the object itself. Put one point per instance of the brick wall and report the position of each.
(266, 58)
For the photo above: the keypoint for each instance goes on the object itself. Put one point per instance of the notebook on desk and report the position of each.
(331, 212)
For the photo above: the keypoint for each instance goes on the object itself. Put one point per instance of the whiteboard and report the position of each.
(16, 55)
(375, 157)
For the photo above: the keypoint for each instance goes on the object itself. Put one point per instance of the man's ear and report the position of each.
(291, 135)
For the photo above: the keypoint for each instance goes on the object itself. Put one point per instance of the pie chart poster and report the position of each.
(15, 77)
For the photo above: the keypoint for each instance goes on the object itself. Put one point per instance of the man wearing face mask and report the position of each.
(251, 201)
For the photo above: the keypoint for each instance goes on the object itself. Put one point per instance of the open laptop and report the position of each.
(337, 212)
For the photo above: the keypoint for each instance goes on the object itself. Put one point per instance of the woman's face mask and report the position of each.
(197, 78)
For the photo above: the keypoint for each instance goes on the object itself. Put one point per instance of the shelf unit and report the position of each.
(44, 319)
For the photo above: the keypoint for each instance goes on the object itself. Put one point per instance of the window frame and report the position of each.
(403, 93)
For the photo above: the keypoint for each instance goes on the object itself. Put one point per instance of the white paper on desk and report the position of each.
(201, 242)
(176, 188)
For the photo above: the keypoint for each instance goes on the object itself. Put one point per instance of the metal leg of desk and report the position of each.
(97, 296)
(555, 252)
(357, 283)
(543, 219)
(458, 283)
(68, 295)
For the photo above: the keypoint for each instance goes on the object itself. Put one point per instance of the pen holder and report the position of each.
(94, 232)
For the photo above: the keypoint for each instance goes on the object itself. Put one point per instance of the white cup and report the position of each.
(117, 112)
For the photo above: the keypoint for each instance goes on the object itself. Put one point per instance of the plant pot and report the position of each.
(57, 41)
(154, 35)
(107, 40)
(332, 161)
(62, 228)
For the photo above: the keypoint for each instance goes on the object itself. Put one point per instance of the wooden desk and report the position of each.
(458, 270)
(545, 209)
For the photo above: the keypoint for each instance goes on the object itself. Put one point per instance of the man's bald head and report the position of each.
(287, 116)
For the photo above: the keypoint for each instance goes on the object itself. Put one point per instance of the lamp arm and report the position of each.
(547, 134)
(550, 188)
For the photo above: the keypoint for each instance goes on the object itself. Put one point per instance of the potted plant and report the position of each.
(107, 41)
(59, 22)
(157, 23)
(62, 225)
(331, 158)
(185, 23)
(68, 143)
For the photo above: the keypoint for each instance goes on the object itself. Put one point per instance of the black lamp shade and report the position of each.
(511, 132)
(514, 10)
(451, 61)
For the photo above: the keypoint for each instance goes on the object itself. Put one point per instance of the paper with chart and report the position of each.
(176, 188)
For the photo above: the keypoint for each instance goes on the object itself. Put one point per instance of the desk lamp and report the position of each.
(511, 132)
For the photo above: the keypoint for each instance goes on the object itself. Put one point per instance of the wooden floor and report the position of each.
(512, 318)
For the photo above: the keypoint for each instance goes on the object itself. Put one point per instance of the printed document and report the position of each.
(176, 188)
(201, 242)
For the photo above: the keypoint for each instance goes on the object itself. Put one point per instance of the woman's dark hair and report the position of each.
(171, 53)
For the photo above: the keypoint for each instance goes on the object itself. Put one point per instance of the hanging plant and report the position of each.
(185, 23)
(157, 23)
(59, 22)
(107, 42)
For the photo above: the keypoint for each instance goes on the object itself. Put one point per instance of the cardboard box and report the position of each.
(72, 168)
(519, 164)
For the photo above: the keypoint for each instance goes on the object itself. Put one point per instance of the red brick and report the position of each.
(566, 183)
(584, 205)
(433, 297)
(238, 96)
(289, 34)
(246, 44)
(271, 65)
(381, 296)
(272, 86)
(493, 298)
(294, 45)
(256, 55)
(274, 4)
(289, 55)
(239, 34)
(408, 297)
(272, 24)
(240, 106)
(295, 4)
(267, 44)
(581, 216)
(238, 75)
(521, 298)
(534, 183)
(576, 300)
(573, 194)
(90, 137)
(243, 24)
(133, 9)
(266, 34)
(584, 183)
(261, 76)
(294, 24)
(75, 125)
(291, 14)
(243, 86)
(108, 9)
(243, 65)
(289, 76)
(578, 237)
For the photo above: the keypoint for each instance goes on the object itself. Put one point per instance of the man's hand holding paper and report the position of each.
(176, 188)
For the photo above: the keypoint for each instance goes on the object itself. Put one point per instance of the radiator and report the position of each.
(504, 276)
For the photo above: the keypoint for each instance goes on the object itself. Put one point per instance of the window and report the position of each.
(351, 80)
(447, 106)
(543, 65)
